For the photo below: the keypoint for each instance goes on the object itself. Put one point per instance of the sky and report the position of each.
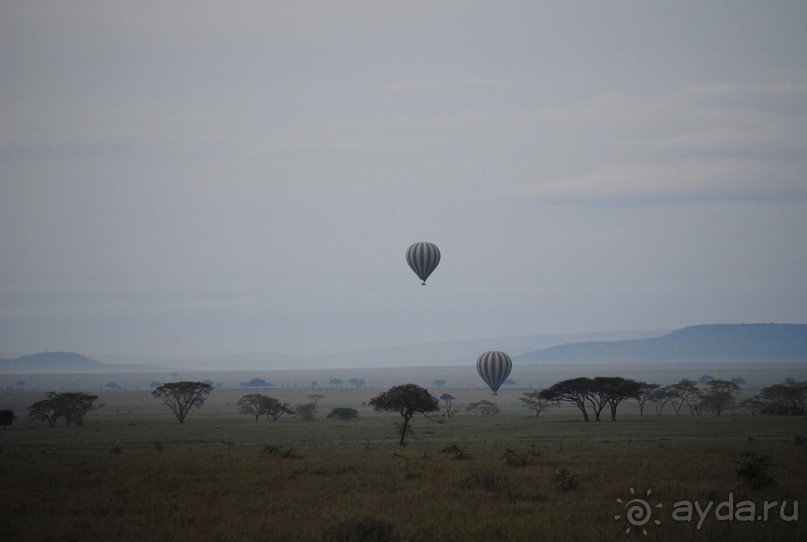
(204, 178)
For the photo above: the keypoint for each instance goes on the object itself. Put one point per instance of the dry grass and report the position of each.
(216, 478)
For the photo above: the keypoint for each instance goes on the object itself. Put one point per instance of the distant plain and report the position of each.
(134, 473)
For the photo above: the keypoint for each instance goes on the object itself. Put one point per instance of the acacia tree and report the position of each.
(573, 390)
(448, 403)
(686, 391)
(753, 404)
(615, 389)
(75, 406)
(484, 407)
(789, 398)
(7, 417)
(72, 406)
(660, 397)
(533, 400)
(596, 392)
(343, 413)
(646, 392)
(407, 399)
(257, 405)
(257, 383)
(720, 396)
(253, 404)
(275, 409)
(44, 410)
(180, 397)
(306, 411)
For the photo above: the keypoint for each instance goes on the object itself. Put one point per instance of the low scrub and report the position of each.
(363, 529)
(753, 469)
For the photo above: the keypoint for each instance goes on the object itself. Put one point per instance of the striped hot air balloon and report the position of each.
(423, 258)
(494, 368)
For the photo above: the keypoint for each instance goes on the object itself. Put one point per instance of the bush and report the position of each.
(343, 414)
(783, 410)
(565, 480)
(273, 450)
(491, 482)
(457, 452)
(514, 459)
(754, 469)
(306, 411)
(360, 530)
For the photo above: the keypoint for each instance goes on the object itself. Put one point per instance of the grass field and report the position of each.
(133, 473)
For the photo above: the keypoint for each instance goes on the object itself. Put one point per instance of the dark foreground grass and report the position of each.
(470, 479)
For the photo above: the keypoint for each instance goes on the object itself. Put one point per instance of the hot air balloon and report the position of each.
(494, 368)
(423, 258)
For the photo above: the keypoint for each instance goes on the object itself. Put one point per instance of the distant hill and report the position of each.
(461, 352)
(704, 343)
(713, 343)
(63, 362)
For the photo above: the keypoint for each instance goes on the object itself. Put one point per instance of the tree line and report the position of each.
(592, 396)
(72, 407)
(715, 396)
(788, 399)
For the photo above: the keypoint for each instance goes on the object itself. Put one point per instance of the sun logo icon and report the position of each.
(638, 511)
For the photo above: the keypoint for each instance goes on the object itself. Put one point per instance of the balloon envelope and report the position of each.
(494, 368)
(423, 258)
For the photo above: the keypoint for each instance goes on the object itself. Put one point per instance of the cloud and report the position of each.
(711, 144)
(455, 85)
(690, 182)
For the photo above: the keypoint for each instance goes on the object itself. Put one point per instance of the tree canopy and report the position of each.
(534, 401)
(719, 396)
(789, 398)
(7, 417)
(72, 406)
(343, 413)
(180, 397)
(407, 399)
(258, 404)
(596, 393)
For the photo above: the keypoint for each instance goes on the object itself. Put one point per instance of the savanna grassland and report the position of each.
(133, 473)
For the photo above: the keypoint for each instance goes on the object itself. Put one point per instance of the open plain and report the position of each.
(133, 473)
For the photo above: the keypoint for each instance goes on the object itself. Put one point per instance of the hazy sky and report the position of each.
(193, 178)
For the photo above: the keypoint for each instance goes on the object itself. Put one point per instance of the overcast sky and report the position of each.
(201, 178)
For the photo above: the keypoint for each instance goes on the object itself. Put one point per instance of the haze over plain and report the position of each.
(194, 179)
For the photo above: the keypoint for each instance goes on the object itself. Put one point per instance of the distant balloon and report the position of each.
(494, 368)
(423, 258)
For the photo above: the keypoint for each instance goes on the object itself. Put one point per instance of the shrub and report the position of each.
(491, 482)
(457, 452)
(273, 450)
(514, 459)
(754, 469)
(306, 411)
(361, 529)
(565, 480)
(342, 413)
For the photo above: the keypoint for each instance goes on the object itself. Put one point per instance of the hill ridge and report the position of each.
(698, 343)
(706, 342)
(65, 362)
